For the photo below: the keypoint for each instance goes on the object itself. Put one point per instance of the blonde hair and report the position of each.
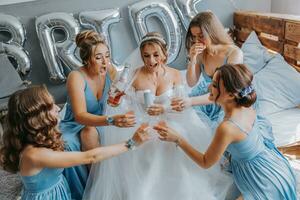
(211, 27)
(155, 38)
(86, 40)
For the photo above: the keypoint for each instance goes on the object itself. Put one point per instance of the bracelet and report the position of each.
(130, 144)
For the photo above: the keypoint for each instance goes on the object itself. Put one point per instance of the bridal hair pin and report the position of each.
(247, 90)
(147, 38)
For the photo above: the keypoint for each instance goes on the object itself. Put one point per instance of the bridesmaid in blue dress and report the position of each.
(209, 47)
(87, 95)
(259, 170)
(33, 147)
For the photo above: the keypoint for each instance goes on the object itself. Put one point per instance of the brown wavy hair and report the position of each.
(86, 40)
(29, 122)
(236, 78)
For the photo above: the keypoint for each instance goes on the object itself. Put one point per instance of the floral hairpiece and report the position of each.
(247, 90)
(146, 38)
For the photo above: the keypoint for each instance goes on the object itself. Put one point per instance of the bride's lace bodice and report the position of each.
(164, 98)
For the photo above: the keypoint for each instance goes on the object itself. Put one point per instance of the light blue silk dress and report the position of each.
(78, 175)
(259, 170)
(210, 111)
(48, 184)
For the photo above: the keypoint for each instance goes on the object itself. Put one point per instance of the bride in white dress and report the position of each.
(157, 170)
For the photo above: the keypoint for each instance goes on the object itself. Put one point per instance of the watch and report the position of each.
(110, 120)
(130, 144)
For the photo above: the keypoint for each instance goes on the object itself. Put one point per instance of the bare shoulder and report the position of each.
(226, 130)
(139, 73)
(139, 76)
(74, 75)
(75, 78)
(237, 50)
(34, 154)
(225, 127)
(231, 131)
(236, 55)
(175, 73)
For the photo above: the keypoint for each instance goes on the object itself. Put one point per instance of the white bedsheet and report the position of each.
(286, 126)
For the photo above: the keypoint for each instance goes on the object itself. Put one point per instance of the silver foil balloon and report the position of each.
(186, 9)
(101, 22)
(58, 54)
(141, 11)
(14, 46)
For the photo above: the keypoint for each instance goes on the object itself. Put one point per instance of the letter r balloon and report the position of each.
(61, 53)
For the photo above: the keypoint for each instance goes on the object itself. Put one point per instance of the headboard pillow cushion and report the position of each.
(255, 54)
(277, 85)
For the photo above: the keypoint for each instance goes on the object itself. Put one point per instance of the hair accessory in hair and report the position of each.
(153, 37)
(247, 90)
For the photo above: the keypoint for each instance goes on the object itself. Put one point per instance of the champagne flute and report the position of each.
(178, 93)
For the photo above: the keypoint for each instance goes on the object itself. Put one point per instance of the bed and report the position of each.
(274, 51)
(279, 34)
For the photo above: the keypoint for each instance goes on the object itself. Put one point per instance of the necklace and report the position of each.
(153, 77)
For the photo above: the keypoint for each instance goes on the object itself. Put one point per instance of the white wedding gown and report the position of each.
(156, 170)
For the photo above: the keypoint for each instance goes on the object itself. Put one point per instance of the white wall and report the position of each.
(286, 6)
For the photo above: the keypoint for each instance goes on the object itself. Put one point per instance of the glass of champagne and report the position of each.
(178, 94)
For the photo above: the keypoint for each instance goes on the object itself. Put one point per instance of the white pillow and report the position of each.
(255, 54)
(277, 86)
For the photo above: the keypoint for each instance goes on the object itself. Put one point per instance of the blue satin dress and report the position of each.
(259, 170)
(77, 176)
(211, 111)
(48, 184)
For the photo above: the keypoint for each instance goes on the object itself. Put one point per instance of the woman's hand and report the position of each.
(195, 50)
(179, 104)
(127, 120)
(166, 133)
(156, 109)
(141, 135)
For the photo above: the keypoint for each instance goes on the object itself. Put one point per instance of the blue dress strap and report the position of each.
(225, 60)
(203, 72)
(227, 55)
(237, 125)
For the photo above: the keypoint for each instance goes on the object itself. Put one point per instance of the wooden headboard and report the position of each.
(278, 32)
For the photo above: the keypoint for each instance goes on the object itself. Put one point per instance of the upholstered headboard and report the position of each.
(277, 32)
